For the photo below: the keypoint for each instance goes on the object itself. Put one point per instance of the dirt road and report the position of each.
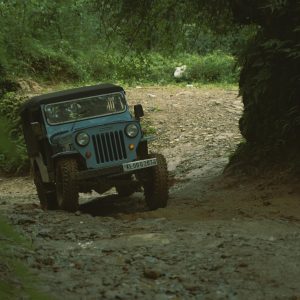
(219, 238)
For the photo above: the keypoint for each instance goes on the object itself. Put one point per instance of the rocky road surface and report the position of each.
(219, 238)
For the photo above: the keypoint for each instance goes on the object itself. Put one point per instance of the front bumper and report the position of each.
(114, 171)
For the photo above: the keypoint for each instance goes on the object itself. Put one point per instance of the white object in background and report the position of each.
(179, 71)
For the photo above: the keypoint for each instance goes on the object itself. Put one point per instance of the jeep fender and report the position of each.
(69, 154)
(66, 154)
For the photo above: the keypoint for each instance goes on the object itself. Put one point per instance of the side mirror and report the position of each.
(138, 111)
(36, 129)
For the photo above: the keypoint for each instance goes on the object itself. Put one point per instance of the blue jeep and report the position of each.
(86, 139)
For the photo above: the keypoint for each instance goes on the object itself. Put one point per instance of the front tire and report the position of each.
(46, 192)
(156, 188)
(66, 185)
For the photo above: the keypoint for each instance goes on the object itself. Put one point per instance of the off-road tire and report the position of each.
(46, 192)
(66, 185)
(156, 188)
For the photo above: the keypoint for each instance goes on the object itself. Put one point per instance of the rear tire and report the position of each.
(66, 185)
(156, 188)
(46, 192)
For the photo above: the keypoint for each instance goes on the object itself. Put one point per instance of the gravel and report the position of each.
(219, 238)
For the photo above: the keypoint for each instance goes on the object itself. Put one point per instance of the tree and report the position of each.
(270, 79)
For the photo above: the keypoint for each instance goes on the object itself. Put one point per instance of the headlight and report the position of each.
(82, 139)
(132, 130)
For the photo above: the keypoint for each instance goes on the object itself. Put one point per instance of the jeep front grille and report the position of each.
(109, 146)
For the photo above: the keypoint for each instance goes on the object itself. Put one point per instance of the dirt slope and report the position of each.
(219, 238)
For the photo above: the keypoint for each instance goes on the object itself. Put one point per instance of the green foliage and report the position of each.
(215, 67)
(152, 67)
(13, 155)
(116, 40)
(53, 64)
(269, 81)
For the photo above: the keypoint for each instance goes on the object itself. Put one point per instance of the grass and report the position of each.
(16, 281)
(134, 69)
(216, 85)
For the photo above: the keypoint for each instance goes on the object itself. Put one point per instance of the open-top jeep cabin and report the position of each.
(86, 139)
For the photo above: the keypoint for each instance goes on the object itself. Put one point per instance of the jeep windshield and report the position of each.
(85, 108)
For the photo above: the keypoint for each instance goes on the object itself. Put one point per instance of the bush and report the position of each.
(132, 68)
(59, 64)
(212, 68)
(13, 154)
(155, 68)
(100, 66)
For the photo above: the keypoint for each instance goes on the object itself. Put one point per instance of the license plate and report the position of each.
(140, 164)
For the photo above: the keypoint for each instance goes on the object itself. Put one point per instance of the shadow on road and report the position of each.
(113, 204)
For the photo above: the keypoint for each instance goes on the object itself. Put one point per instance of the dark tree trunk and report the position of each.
(270, 82)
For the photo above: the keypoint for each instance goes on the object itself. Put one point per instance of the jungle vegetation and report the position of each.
(254, 42)
(130, 41)
(270, 83)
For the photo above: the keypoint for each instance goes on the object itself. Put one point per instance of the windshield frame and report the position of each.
(87, 118)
